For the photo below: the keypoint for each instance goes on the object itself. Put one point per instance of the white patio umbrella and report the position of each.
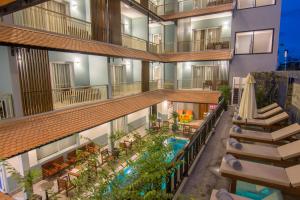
(248, 108)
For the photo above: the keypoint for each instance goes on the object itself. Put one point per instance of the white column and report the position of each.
(110, 133)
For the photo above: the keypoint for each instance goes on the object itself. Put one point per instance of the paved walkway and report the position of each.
(205, 176)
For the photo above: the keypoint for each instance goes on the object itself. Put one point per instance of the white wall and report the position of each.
(99, 134)
(5, 75)
(81, 65)
(266, 17)
(98, 70)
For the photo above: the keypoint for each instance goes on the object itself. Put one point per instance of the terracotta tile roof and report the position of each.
(24, 134)
(200, 11)
(196, 56)
(193, 96)
(21, 36)
(5, 197)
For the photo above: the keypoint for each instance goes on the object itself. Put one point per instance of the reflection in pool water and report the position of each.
(176, 145)
(257, 192)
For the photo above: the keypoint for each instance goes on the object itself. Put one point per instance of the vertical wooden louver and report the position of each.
(35, 83)
(106, 20)
(145, 76)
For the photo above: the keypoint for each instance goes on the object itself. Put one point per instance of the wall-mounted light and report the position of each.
(76, 60)
(225, 24)
(74, 4)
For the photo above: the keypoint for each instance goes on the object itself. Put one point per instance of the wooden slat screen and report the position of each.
(35, 83)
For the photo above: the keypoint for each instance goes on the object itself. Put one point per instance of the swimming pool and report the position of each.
(257, 192)
(176, 144)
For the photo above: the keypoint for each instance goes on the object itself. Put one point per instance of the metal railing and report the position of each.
(123, 89)
(134, 42)
(40, 18)
(63, 97)
(6, 106)
(201, 84)
(190, 153)
(191, 46)
(184, 5)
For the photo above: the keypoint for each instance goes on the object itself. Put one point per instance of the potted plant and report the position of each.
(175, 121)
(225, 91)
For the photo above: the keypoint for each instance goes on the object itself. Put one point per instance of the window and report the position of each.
(242, 4)
(55, 147)
(253, 42)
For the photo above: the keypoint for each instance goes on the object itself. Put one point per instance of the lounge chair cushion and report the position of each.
(267, 108)
(234, 196)
(237, 129)
(234, 143)
(233, 162)
(256, 151)
(258, 172)
(290, 150)
(286, 132)
(294, 175)
(248, 134)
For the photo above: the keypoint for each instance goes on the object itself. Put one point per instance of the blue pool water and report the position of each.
(176, 145)
(256, 192)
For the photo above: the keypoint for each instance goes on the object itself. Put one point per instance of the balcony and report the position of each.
(192, 46)
(134, 42)
(169, 10)
(6, 106)
(202, 84)
(63, 97)
(124, 89)
(41, 18)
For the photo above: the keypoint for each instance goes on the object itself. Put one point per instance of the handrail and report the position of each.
(187, 158)
(44, 19)
(67, 16)
(176, 5)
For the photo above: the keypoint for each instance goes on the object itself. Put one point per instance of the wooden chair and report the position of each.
(125, 145)
(106, 156)
(186, 130)
(166, 125)
(92, 148)
(64, 183)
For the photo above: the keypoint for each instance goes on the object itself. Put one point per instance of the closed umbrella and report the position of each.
(248, 108)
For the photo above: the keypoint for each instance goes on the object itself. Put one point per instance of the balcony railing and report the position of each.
(201, 84)
(134, 42)
(6, 106)
(191, 46)
(184, 5)
(47, 20)
(63, 97)
(123, 89)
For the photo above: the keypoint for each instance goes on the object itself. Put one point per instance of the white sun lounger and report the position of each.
(270, 113)
(284, 179)
(264, 123)
(267, 108)
(276, 155)
(273, 137)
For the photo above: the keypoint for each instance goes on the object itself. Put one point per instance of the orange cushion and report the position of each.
(188, 112)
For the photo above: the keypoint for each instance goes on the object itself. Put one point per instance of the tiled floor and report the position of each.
(62, 196)
(205, 176)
